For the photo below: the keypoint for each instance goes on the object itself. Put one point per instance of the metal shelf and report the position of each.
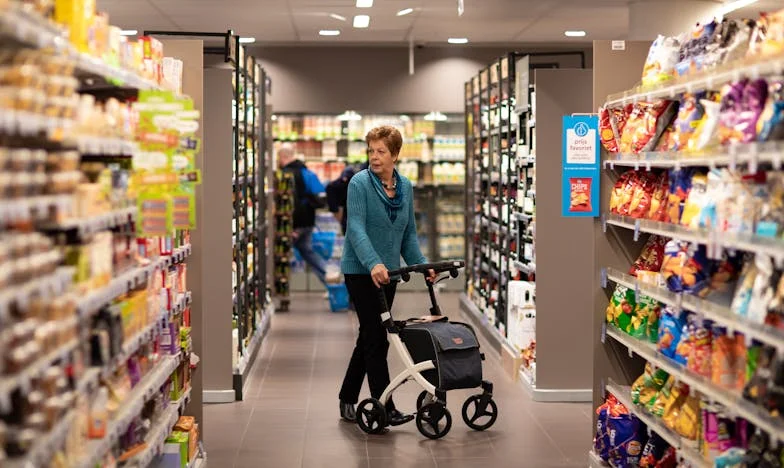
(709, 80)
(750, 154)
(770, 246)
(685, 451)
(734, 402)
(720, 314)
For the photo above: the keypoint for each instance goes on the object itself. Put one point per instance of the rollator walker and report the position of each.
(439, 355)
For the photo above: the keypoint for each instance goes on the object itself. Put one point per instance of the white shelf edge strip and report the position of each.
(733, 402)
(727, 73)
(749, 243)
(750, 153)
(717, 313)
(685, 451)
(130, 409)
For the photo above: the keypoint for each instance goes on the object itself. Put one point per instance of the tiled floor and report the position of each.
(290, 417)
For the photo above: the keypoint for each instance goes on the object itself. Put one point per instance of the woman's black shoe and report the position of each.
(396, 418)
(347, 412)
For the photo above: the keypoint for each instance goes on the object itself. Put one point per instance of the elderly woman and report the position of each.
(381, 228)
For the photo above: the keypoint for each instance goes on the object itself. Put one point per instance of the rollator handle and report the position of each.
(386, 315)
(424, 268)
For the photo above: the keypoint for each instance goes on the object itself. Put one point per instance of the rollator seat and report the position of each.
(452, 346)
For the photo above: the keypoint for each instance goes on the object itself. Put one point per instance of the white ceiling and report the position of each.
(433, 21)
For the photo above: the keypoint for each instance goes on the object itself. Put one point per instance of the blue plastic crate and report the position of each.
(338, 297)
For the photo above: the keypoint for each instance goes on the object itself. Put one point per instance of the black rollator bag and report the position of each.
(454, 348)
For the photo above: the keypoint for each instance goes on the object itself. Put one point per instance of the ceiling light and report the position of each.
(458, 40)
(337, 17)
(405, 11)
(329, 32)
(349, 115)
(729, 7)
(361, 21)
(436, 116)
(129, 32)
(247, 40)
(364, 3)
(574, 33)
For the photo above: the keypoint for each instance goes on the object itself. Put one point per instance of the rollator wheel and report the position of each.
(423, 399)
(371, 416)
(476, 417)
(434, 420)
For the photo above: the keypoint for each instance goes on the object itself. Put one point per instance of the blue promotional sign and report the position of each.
(581, 170)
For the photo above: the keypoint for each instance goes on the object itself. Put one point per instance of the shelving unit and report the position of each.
(508, 230)
(230, 74)
(97, 291)
(618, 356)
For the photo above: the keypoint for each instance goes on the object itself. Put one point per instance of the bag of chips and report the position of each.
(651, 256)
(773, 43)
(770, 126)
(658, 211)
(685, 267)
(654, 451)
(623, 191)
(771, 213)
(669, 460)
(642, 197)
(742, 297)
(728, 361)
(645, 125)
(601, 440)
(742, 104)
(680, 185)
(621, 307)
(646, 312)
(645, 388)
(696, 200)
(689, 115)
(693, 49)
(606, 134)
(699, 360)
(670, 329)
(705, 134)
(627, 436)
(688, 421)
(762, 291)
(660, 63)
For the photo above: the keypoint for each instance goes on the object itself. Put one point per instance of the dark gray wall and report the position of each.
(376, 79)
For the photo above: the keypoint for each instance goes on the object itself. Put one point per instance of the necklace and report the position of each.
(394, 184)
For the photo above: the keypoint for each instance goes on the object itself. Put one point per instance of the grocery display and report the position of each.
(283, 243)
(695, 157)
(96, 209)
(503, 128)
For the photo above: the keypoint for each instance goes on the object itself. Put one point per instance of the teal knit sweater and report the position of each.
(372, 237)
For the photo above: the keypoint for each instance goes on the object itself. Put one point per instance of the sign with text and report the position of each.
(580, 172)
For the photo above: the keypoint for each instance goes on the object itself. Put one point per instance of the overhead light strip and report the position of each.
(361, 21)
(364, 3)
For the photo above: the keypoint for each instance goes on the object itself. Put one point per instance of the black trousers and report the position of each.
(370, 352)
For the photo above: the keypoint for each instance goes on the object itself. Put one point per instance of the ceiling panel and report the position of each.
(488, 21)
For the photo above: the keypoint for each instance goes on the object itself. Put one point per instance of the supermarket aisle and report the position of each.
(290, 418)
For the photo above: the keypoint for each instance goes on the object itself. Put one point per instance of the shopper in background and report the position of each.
(337, 196)
(308, 197)
(381, 228)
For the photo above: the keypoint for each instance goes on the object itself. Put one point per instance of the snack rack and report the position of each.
(283, 248)
(81, 261)
(619, 355)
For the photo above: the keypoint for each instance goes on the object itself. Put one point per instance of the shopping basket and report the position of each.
(323, 242)
(338, 297)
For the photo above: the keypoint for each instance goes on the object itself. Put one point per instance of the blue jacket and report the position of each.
(372, 236)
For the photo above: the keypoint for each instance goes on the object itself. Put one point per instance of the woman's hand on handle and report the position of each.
(380, 275)
(432, 276)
